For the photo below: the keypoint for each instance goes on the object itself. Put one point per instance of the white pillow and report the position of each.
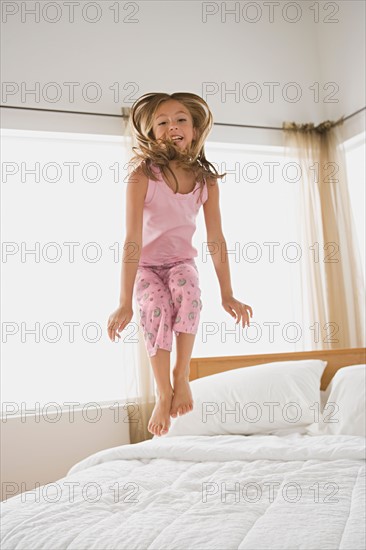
(264, 398)
(344, 412)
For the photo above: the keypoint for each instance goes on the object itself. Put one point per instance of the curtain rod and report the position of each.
(125, 116)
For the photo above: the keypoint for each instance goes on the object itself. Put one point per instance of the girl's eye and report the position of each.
(184, 119)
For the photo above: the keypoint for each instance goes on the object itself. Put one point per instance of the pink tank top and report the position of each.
(169, 222)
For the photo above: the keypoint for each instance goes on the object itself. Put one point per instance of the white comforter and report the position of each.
(198, 492)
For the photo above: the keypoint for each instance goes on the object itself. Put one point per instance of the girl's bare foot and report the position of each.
(160, 419)
(182, 402)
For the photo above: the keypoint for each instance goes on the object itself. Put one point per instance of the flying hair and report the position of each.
(147, 150)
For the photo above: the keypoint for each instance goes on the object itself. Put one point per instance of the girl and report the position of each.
(162, 204)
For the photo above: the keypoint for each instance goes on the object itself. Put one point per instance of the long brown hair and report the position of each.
(149, 151)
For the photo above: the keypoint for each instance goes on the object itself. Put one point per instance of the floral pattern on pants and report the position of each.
(169, 299)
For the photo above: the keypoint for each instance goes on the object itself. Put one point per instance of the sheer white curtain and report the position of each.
(333, 285)
(143, 402)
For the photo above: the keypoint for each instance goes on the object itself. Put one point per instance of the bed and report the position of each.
(289, 489)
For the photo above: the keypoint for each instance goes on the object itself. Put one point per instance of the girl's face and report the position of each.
(173, 121)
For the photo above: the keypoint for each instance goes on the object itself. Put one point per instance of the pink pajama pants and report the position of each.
(169, 298)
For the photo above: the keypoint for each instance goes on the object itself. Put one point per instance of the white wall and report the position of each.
(170, 48)
(341, 56)
(36, 449)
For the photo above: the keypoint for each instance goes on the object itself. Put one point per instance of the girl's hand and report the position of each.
(237, 309)
(118, 320)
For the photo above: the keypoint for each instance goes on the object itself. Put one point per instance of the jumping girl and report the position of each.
(165, 191)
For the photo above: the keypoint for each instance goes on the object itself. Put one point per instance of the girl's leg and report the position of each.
(160, 419)
(186, 294)
(182, 401)
(155, 314)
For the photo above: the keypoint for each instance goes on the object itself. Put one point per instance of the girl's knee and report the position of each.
(156, 312)
(187, 319)
(187, 294)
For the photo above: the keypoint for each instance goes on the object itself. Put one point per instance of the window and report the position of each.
(261, 234)
(63, 231)
(356, 170)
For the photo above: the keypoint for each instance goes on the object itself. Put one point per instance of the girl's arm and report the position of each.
(216, 240)
(135, 196)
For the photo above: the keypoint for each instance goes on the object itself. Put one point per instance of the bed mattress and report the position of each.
(197, 492)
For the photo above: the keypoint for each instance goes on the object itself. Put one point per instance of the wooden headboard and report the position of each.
(336, 358)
